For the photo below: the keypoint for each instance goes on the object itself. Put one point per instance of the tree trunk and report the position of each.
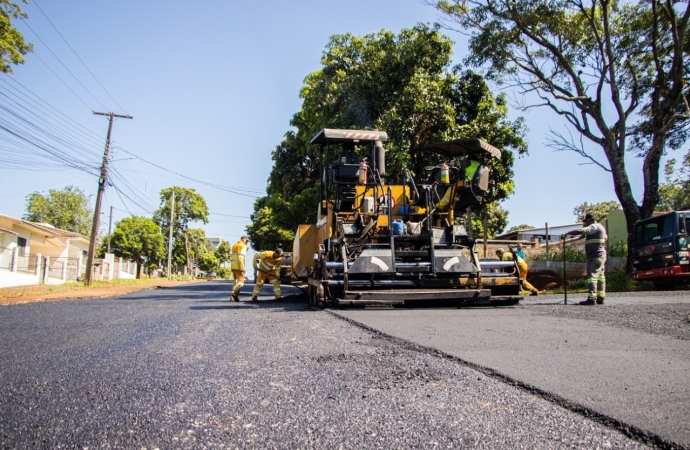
(621, 184)
(186, 252)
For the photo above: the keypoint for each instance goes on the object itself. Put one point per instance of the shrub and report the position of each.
(224, 273)
(571, 255)
(618, 249)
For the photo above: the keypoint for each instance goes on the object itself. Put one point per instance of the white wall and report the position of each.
(9, 279)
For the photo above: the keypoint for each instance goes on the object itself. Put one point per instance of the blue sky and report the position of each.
(212, 86)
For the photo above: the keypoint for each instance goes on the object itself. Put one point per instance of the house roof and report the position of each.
(5, 230)
(57, 231)
(539, 231)
(48, 230)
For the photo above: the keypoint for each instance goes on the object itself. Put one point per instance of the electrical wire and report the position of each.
(232, 190)
(63, 65)
(56, 114)
(75, 54)
(61, 80)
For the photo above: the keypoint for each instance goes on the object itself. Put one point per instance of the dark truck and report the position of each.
(660, 249)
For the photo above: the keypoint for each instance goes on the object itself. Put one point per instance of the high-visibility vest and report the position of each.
(470, 170)
(239, 251)
(595, 244)
(266, 262)
(508, 256)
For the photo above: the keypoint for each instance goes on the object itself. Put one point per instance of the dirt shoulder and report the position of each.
(29, 294)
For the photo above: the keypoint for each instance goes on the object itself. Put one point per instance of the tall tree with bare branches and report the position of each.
(613, 70)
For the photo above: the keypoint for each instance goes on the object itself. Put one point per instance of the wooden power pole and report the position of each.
(170, 233)
(99, 198)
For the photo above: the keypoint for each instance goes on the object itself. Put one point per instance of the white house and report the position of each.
(553, 235)
(34, 253)
(214, 239)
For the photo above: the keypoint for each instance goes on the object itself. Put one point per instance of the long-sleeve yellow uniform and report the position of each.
(268, 268)
(522, 270)
(237, 257)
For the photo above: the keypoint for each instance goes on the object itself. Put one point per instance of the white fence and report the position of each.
(33, 269)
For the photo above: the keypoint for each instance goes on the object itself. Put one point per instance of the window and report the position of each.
(681, 224)
(654, 230)
(21, 243)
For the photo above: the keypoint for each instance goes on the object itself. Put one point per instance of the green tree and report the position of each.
(138, 238)
(223, 252)
(263, 231)
(12, 44)
(199, 246)
(675, 192)
(600, 210)
(189, 207)
(520, 227)
(614, 71)
(67, 209)
(494, 217)
(208, 262)
(402, 84)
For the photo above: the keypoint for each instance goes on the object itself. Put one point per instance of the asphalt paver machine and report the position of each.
(410, 244)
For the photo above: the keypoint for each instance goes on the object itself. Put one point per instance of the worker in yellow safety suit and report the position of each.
(522, 269)
(267, 265)
(239, 252)
(470, 169)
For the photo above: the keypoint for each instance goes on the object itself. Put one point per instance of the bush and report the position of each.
(618, 250)
(177, 277)
(224, 273)
(620, 281)
(571, 255)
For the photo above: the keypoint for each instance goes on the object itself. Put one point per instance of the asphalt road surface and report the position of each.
(185, 368)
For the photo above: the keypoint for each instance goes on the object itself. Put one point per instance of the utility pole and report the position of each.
(99, 198)
(110, 227)
(172, 209)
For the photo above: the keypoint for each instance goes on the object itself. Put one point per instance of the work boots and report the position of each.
(234, 297)
(254, 299)
(589, 301)
(600, 300)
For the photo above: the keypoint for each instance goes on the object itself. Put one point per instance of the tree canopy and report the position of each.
(138, 238)
(67, 209)
(613, 71)
(523, 226)
(675, 192)
(493, 219)
(402, 84)
(189, 207)
(600, 210)
(12, 44)
(223, 252)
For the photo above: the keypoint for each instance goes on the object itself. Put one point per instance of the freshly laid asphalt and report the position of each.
(183, 367)
(627, 362)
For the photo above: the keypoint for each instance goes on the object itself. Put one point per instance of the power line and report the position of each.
(29, 126)
(76, 126)
(46, 149)
(63, 65)
(58, 77)
(237, 191)
(229, 215)
(75, 54)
